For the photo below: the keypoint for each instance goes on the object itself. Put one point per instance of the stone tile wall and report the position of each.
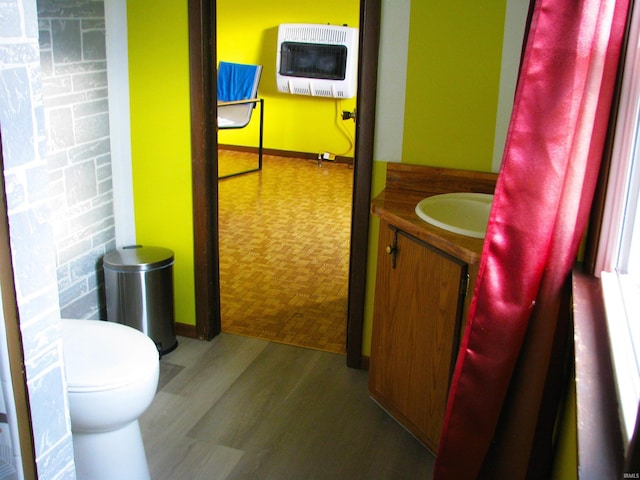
(32, 246)
(74, 71)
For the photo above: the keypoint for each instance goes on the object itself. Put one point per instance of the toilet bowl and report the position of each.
(112, 375)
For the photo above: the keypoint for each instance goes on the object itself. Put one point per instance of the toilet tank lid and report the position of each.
(101, 355)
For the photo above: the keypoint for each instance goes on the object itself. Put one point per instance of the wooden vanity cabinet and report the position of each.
(418, 308)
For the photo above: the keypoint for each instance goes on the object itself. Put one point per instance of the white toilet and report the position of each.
(112, 375)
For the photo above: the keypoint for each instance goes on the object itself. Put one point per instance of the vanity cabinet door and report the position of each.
(417, 309)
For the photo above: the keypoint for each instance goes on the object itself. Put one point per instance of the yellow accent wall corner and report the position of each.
(565, 464)
(161, 138)
(379, 178)
(453, 81)
(439, 95)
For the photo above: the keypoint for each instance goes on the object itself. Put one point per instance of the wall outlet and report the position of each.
(328, 156)
(346, 115)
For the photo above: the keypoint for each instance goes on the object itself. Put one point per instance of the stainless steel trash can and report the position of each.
(139, 292)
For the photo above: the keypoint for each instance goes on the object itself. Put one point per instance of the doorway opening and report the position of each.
(202, 42)
(284, 230)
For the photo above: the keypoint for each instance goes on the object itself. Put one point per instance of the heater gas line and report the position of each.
(341, 117)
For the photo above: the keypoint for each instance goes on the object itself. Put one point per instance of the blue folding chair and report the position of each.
(237, 98)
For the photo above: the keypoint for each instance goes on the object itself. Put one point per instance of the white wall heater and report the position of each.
(318, 60)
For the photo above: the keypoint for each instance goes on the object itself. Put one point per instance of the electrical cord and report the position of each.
(340, 122)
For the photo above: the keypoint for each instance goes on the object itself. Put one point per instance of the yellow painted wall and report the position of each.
(453, 79)
(160, 138)
(565, 465)
(160, 119)
(292, 122)
(379, 177)
(452, 85)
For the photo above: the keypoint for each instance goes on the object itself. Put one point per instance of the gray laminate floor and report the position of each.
(244, 408)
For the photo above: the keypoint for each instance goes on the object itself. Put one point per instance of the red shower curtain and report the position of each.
(542, 200)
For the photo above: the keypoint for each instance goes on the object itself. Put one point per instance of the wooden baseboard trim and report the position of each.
(364, 363)
(284, 153)
(185, 330)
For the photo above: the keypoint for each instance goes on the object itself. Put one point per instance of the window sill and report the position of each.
(600, 450)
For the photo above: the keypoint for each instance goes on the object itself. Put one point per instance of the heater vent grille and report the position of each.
(315, 34)
(323, 93)
(317, 60)
(302, 91)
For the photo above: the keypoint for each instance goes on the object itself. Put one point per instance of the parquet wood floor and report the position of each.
(284, 250)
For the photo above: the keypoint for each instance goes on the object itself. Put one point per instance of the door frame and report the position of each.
(204, 166)
(9, 315)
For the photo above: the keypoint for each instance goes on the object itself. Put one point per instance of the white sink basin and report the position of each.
(463, 213)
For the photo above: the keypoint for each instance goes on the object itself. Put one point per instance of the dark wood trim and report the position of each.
(204, 165)
(185, 330)
(428, 180)
(370, 17)
(202, 46)
(364, 362)
(600, 450)
(283, 153)
(14, 340)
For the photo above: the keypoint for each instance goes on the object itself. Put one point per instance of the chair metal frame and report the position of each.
(255, 101)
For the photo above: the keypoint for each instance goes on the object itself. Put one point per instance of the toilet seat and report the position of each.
(103, 355)
(112, 375)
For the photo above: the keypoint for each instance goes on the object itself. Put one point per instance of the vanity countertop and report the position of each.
(397, 208)
(407, 184)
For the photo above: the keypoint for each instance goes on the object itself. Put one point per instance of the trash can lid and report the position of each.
(138, 258)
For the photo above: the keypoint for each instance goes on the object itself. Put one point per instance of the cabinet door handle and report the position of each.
(464, 286)
(393, 249)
